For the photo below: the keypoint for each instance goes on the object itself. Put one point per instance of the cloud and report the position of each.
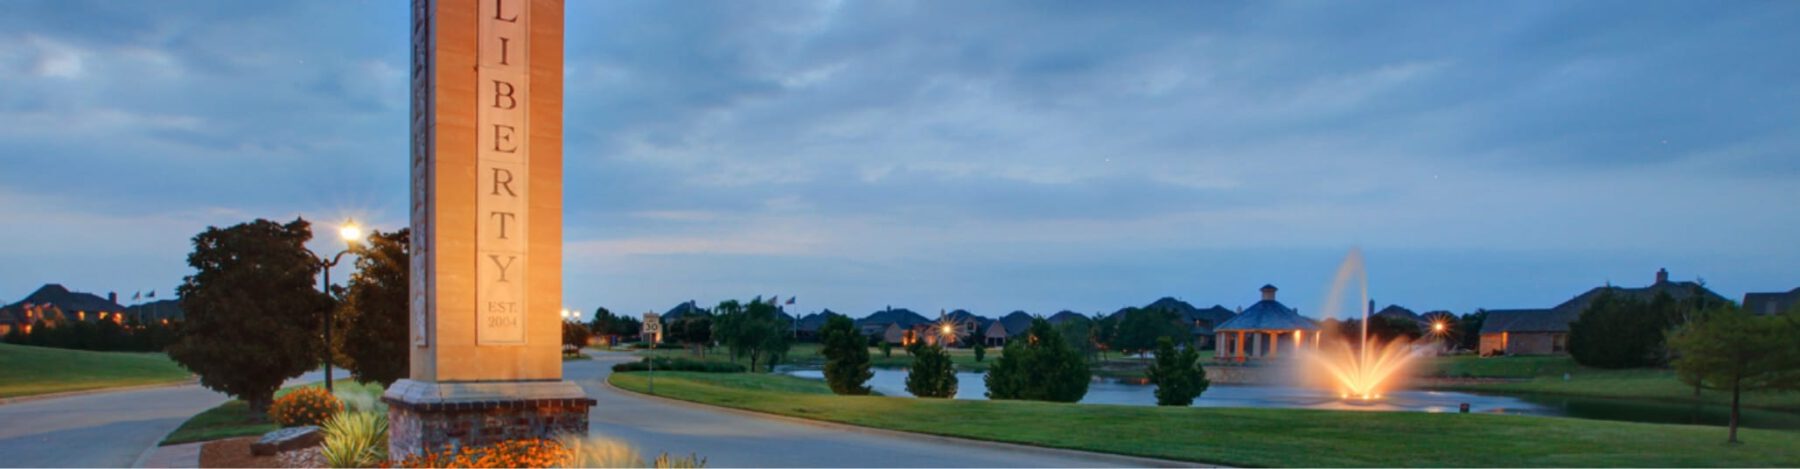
(989, 154)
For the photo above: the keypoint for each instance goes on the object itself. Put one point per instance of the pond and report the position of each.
(892, 382)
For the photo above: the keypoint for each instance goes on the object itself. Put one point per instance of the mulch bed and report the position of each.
(234, 452)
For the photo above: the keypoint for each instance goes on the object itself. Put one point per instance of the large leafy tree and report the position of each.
(753, 330)
(1080, 336)
(1178, 376)
(1733, 350)
(1039, 366)
(1139, 328)
(253, 315)
(846, 356)
(1622, 332)
(931, 373)
(372, 320)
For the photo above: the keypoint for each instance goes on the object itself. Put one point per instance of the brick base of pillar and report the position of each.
(425, 416)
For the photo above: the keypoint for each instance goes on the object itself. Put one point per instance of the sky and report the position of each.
(992, 156)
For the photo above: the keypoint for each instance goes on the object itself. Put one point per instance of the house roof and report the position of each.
(1016, 322)
(1066, 316)
(683, 309)
(1524, 320)
(1557, 319)
(55, 295)
(1267, 315)
(1771, 303)
(902, 316)
(813, 322)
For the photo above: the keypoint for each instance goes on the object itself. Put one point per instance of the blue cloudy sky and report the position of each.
(942, 154)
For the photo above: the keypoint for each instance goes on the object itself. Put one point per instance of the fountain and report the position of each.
(1363, 372)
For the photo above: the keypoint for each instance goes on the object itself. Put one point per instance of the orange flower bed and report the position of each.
(511, 453)
(305, 406)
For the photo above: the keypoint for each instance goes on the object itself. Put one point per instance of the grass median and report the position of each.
(234, 418)
(1248, 437)
(27, 371)
(1546, 375)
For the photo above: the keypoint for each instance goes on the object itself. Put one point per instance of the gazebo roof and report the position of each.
(1267, 315)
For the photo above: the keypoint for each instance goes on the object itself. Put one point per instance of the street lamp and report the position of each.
(351, 233)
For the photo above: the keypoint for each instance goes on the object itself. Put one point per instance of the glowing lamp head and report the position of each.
(350, 232)
(1437, 326)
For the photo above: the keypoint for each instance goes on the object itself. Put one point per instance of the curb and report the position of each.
(85, 392)
(1118, 459)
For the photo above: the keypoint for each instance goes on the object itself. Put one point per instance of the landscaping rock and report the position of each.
(287, 439)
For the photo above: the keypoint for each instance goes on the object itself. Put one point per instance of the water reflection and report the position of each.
(971, 386)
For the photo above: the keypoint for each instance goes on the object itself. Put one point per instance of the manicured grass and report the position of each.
(1544, 375)
(234, 418)
(26, 371)
(807, 354)
(1252, 437)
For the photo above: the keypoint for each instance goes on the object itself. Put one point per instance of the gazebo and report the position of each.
(1264, 330)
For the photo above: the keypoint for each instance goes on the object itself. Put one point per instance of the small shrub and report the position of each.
(680, 364)
(887, 349)
(980, 350)
(931, 374)
(310, 405)
(355, 439)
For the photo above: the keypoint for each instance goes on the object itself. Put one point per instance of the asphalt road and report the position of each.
(99, 430)
(729, 439)
(112, 429)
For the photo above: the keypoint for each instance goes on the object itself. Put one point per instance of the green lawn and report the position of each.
(1544, 375)
(1250, 437)
(43, 370)
(807, 354)
(234, 418)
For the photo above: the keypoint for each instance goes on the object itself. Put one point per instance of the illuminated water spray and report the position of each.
(1362, 372)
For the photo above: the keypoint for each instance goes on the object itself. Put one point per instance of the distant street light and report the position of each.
(351, 234)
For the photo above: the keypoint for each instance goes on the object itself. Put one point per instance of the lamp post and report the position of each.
(351, 233)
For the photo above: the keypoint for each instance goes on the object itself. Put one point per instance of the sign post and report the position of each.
(486, 230)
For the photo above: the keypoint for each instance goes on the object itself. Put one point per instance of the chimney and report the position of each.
(1268, 292)
(1662, 276)
(112, 297)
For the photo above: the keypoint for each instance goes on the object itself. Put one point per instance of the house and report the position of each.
(807, 328)
(10, 321)
(1771, 303)
(1199, 322)
(969, 326)
(1066, 316)
(1262, 329)
(894, 334)
(52, 303)
(995, 334)
(1546, 331)
(878, 324)
(1016, 323)
(1525, 332)
(685, 309)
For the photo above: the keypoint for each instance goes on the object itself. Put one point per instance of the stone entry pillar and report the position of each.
(485, 329)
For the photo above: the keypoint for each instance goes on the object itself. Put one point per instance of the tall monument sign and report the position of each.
(486, 229)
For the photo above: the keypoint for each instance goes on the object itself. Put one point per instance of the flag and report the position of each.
(137, 294)
(790, 300)
(151, 295)
(775, 300)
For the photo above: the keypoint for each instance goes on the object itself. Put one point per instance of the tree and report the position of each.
(694, 332)
(1731, 349)
(1139, 329)
(373, 318)
(931, 374)
(1178, 376)
(1622, 332)
(754, 330)
(1105, 329)
(980, 349)
(846, 356)
(574, 334)
(887, 349)
(253, 315)
(1039, 366)
(1471, 328)
(1080, 336)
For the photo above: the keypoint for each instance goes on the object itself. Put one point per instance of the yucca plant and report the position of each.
(599, 452)
(356, 439)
